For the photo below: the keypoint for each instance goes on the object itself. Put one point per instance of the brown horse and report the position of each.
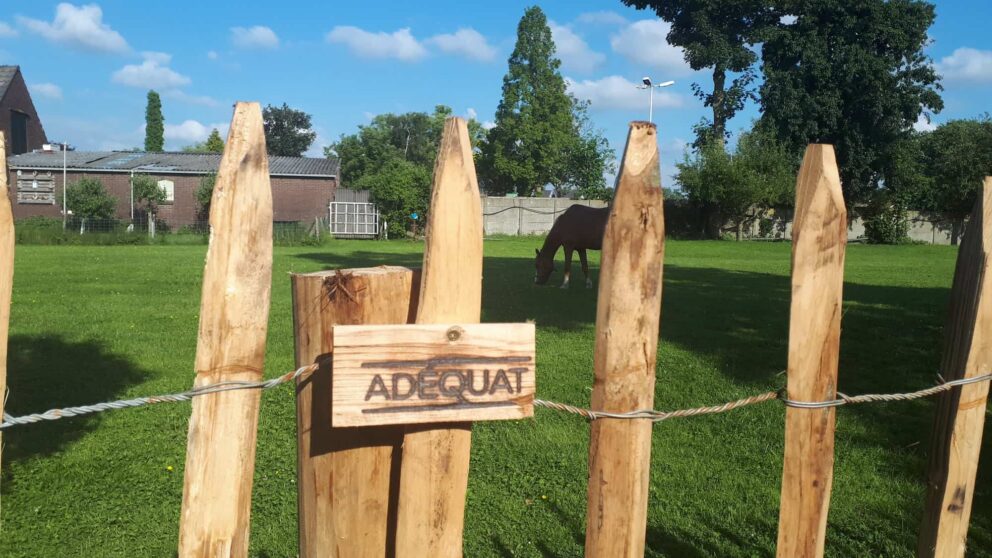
(579, 228)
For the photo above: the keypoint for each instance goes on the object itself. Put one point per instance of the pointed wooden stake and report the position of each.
(6, 273)
(627, 320)
(957, 434)
(348, 477)
(434, 474)
(819, 237)
(234, 313)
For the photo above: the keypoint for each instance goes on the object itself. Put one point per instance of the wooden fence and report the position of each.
(400, 490)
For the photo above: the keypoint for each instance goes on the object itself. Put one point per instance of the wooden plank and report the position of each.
(6, 274)
(819, 237)
(628, 316)
(434, 474)
(348, 477)
(417, 374)
(234, 313)
(957, 435)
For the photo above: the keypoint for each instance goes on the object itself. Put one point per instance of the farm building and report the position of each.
(18, 119)
(302, 187)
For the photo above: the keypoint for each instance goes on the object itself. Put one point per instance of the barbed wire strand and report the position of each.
(649, 414)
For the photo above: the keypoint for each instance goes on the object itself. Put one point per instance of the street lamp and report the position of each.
(646, 81)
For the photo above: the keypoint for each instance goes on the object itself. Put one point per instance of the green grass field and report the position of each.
(97, 323)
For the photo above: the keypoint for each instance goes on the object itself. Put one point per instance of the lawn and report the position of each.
(94, 323)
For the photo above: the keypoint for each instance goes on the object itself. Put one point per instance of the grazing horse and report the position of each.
(579, 228)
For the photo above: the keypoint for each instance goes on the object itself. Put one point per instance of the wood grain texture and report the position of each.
(348, 477)
(628, 316)
(234, 313)
(819, 238)
(416, 374)
(960, 418)
(434, 475)
(6, 274)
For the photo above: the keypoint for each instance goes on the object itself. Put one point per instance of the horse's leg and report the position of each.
(568, 266)
(585, 267)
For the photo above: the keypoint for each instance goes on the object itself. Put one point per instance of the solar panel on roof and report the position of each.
(124, 159)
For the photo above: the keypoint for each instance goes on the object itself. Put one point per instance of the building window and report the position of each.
(18, 132)
(169, 188)
(34, 187)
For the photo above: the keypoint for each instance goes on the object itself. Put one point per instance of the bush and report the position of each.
(887, 225)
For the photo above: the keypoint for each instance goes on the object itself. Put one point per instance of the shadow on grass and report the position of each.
(45, 372)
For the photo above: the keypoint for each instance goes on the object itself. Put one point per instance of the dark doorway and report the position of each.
(18, 132)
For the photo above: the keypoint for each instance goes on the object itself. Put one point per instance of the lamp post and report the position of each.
(65, 193)
(646, 84)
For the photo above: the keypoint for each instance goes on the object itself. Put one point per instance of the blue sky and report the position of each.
(89, 66)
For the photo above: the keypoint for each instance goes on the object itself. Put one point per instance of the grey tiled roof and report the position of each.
(167, 162)
(7, 74)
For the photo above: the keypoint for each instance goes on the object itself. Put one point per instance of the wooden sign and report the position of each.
(409, 374)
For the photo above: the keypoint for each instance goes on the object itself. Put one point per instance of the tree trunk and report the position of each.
(717, 101)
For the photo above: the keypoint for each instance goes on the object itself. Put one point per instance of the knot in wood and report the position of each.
(454, 333)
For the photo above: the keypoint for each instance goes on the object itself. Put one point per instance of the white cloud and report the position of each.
(399, 44)
(153, 73)
(183, 97)
(191, 131)
(573, 51)
(6, 31)
(967, 64)
(471, 114)
(488, 125)
(644, 42)
(924, 124)
(616, 92)
(258, 36)
(466, 42)
(212, 55)
(604, 17)
(48, 90)
(80, 27)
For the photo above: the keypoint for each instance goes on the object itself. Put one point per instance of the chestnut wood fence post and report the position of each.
(348, 477)
(819, 238)
(627, 321)
(434, 473)
(957, 434)
(6, 273)
(234, 314)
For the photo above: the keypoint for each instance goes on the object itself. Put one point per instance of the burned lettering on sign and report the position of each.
(450, 382)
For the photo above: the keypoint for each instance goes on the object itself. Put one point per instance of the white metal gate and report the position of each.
(354, 220)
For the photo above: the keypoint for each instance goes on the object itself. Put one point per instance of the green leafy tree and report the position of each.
(88, 199)
(539, 137)
(852, 74)
(287, 131)
(154, 123)
(717, 35)
(204, 194)
(736, 189)
(399, 188)
(147, 195)
(213, 144)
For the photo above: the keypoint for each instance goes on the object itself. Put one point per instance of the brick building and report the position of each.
(302, 187)
(18, 119)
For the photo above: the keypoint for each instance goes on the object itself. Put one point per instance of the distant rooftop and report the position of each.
(165, 162)
(7, 74)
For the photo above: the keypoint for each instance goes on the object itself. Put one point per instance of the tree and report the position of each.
(399, 189)
(287, 131)
(213, 144)
(204, 195)
(539, 137)
(717, 35)
(154, 123)
(738, 188)
(852, 74)
(954, 158)
(147, 195)
(88, 199)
